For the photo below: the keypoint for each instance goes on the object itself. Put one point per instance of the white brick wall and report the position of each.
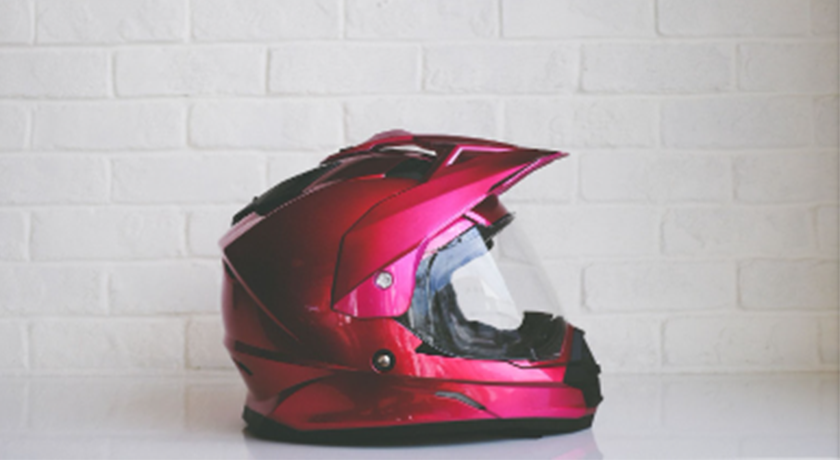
(110, 21)
(694, 228)
(344, 69)
(109, 126)
(650, 68)
(190, 70)
(13, 125)
(52, 73)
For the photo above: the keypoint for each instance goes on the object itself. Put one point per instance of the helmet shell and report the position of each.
(318, 268)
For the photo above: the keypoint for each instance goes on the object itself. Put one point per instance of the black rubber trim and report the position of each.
(417, 434)
(582, 371)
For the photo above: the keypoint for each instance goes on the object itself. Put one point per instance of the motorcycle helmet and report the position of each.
(388, 294)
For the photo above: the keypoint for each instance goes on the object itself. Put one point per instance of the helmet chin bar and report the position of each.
(385, 296)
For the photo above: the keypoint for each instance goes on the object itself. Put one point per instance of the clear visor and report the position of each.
(483, 295)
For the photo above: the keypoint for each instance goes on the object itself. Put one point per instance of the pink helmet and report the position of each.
(387, 292)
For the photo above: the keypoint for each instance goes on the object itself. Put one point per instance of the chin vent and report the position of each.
(462, 398)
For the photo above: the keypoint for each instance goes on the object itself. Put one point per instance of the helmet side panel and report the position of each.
(287, 260)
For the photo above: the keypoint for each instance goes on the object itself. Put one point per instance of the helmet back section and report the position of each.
(382, 294)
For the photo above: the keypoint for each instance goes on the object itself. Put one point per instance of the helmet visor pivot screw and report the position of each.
(383, 360)
(384, 280)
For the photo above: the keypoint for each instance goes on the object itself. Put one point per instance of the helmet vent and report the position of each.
(283, 192)
(411, 168)
(460, 397)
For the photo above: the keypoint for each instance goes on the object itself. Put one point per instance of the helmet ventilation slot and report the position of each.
(283, 192)
(411, 168)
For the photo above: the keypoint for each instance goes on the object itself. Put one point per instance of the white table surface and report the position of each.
(694, 416)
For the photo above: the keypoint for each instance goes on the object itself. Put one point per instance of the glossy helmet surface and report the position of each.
(363, 297)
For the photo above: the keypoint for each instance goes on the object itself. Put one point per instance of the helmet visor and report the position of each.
(483, 295)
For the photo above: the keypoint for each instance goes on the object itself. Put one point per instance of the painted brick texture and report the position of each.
(694, 228)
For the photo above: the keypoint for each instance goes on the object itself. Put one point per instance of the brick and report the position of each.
(49, 179)
(49, 73)
(733, 17)
(509, 68)
(15, 21)
(789, 68)
(563, 123)
(742, 231)
(829, 340)
(577, 18)
(745, 122)
(344, 69)
(470, 117)
(565, 278)
(205, 228)
(824, 17)
(780, 178)
(270, 125)
(12, 345)
(654, 178)
(826, 123)
(14, 122)
(108, 344)
(61, 290)
(109, 126)
(286, 165)
(552, 184)
(165, 288)
(188, 179)
(645, 286)
(436, 19)
(644, 68)
(559, 232)
(205, 349)
(132, 406)
(13, 227)
(224, 20)
(827, 231)
(742, 342)
(110, 21)
(623, 344)
(794, 285)
(190, 71)
(107, 233)
(13, 400)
